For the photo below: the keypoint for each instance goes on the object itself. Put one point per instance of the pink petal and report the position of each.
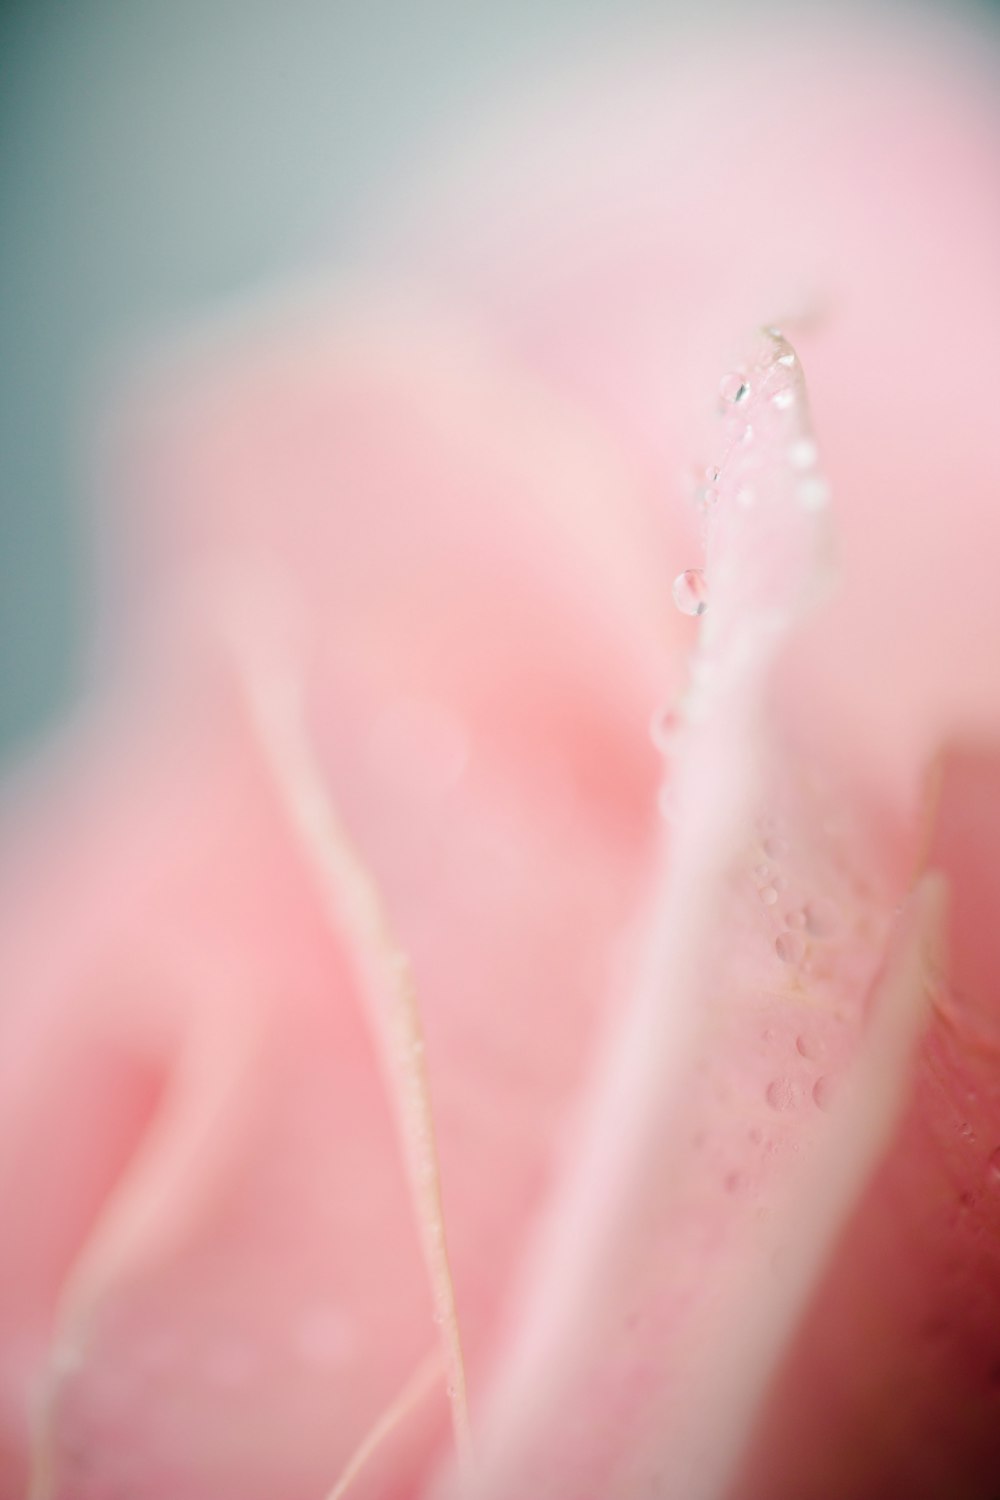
(479, 658)
(244, 1292)
(481, 642)
(829, 168)
(894, 1385)
(716, 1161)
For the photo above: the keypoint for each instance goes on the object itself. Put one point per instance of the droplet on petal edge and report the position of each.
(790, 947)
(690, 592)
(824, 1092)
(663, 728)
(766, 552)
(765, 547)
(822, 919)
(734, 388)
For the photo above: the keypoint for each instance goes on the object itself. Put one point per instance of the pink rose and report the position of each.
(390, 1030)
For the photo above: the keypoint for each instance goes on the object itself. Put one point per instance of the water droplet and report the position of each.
(782, 1094)
(814, 493)
(803, 454)
(796, 919)
(822, 917)
(807, 1046)
(824, 1091)
(994, 1165)
(691, 592)
(762, 871)
(734, 388)
(663, 728)
(786, 359)
(775, 847)
(768, 895)
(790, 947)
(783, 399)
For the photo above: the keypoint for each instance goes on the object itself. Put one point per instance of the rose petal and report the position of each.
(478, 668)
(482, 642)
(652, 1315)
(894, 1384)
(831, 170)
(248, 1294)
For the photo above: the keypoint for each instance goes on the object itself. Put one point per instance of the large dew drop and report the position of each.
(690, 592)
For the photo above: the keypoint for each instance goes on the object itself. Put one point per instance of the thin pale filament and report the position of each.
(354, 908)
(420, 1384)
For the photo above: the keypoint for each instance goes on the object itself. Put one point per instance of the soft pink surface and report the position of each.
(652, 1127)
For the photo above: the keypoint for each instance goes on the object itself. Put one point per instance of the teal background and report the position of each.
(157, 156)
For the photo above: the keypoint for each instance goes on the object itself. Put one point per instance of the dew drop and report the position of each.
(805, 1046)
(803, 454)
(762, 871)
(690, 592)
(734, 388)
(663, 728)
(790, 947)
(775, 847)
(814, 493)
(795, 919)
(822, 917)
(783, 399)
(712, 473)
(768, 895)
(824, 1091)
(782, 1094)
(786, 359)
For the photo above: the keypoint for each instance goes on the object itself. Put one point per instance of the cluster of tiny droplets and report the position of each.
(690, 588)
